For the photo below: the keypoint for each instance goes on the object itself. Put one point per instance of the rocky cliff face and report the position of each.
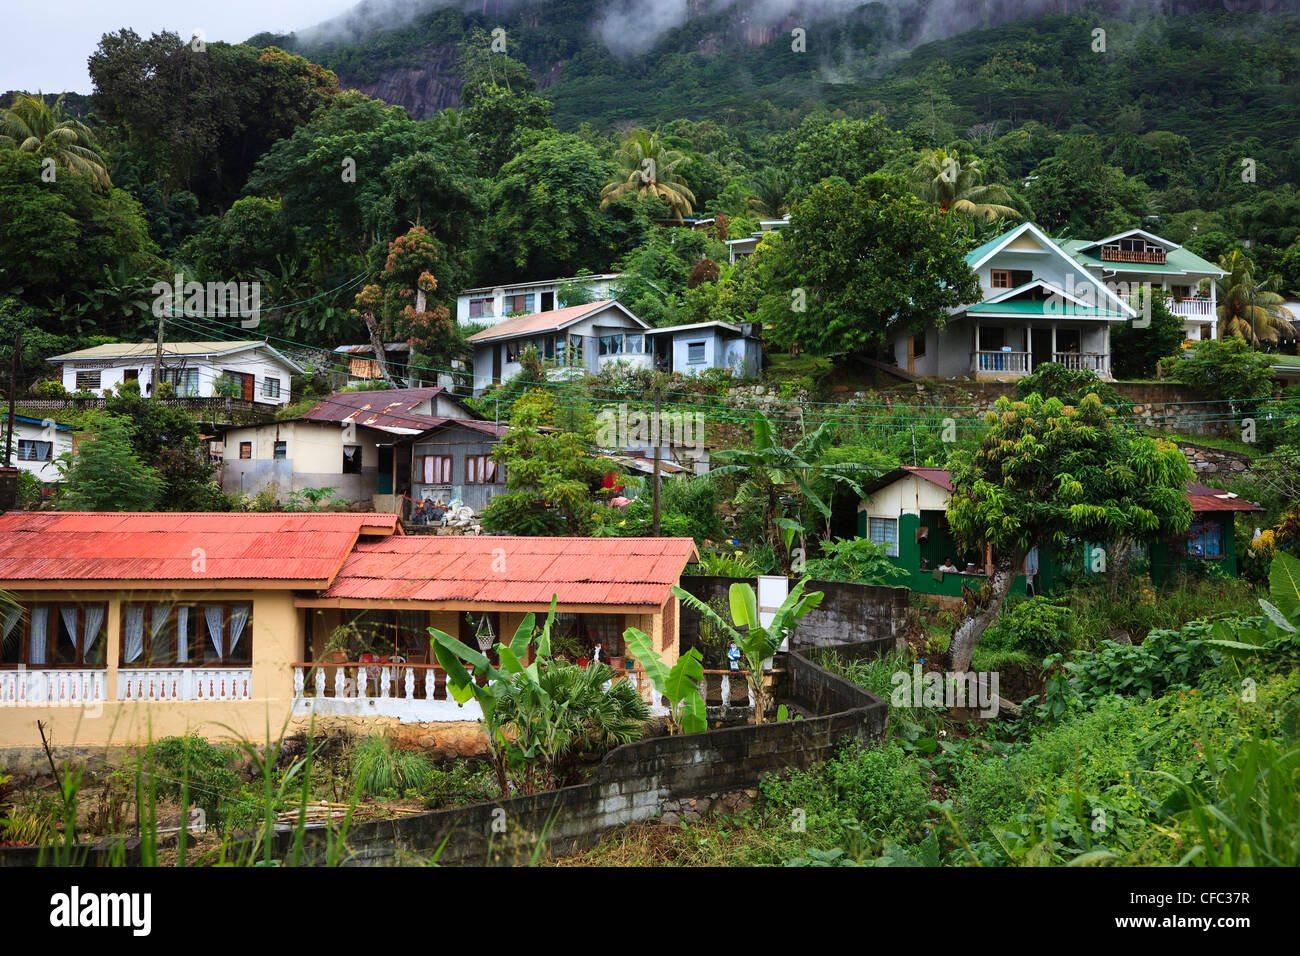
(423, 90)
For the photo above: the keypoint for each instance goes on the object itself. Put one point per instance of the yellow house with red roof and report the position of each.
(132, 626)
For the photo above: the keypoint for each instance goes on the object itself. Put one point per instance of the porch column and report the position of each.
(1214, 312)
(1053, 341)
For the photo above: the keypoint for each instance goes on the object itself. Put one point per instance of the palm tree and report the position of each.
(1249, 309)
(646, 167)
(31, 126)
(770, 187)
(770, 471)
(941, 177)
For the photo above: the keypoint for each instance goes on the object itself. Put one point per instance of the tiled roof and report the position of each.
(541, 322)
(507, 570)
(58, 547)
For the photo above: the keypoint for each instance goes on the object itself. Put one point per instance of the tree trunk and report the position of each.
(377, 343)
(968, 632)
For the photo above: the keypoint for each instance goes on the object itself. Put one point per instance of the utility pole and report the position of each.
(913, 428)
(13, 390)
(157, 358)
(658, 435)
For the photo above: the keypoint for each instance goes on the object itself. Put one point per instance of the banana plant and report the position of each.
(680, 684)
(513, 679)
(756, 642)
(1280, 634)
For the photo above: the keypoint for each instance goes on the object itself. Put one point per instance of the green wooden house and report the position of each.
(905, 511)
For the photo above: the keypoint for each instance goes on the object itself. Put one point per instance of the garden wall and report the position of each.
(632, 783)
(849, 613)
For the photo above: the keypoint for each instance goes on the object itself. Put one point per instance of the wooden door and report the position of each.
(248, 387)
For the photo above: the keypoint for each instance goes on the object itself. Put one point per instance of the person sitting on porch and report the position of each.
(948, 566)
(599, 655)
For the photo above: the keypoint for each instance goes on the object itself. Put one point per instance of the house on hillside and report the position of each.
(1038, 304)
(255, 371)
(492, 304)
(1140, 257)
(453, 460)
(363, 369)
(355, 442)
(579, 338)
(120, 620)
(739, 248)
(690, 349)
(905, 512)
(37, 444)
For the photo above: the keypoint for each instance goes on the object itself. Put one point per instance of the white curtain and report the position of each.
(94, 621)
(36, 655)
(214, 618)
(69, 615)
(182, 635)
(238, 618)
(161, 615)
(134, 636)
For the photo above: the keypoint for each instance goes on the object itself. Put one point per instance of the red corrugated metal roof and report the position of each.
(86, 546)
(1205, 498)
(504, 570)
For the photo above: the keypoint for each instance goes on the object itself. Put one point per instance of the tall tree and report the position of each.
(857, 262)
(1249, 308)
(32, 126)
(956, 184)
(1046, 473)
(645, 167)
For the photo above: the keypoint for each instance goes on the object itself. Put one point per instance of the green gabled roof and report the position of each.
(1067, 310)
(979, 252)
(1177, 261)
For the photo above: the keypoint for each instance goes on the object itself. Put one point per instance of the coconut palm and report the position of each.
(31, 126)
(1248, 308)
(770, 187)
(941, 177)
(646, 167)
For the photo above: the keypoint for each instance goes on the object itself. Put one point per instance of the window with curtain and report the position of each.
(884, 531)
(435, 469)
(186, 635)
(1205, 540)
(64, 634)
(480, 470)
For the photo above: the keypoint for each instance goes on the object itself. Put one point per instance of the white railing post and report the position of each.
(298, 684)
(362, 677)
(320, 682)
(385, 678)
(726, 691)
(410, 683)
(430, 684)
(340, 683)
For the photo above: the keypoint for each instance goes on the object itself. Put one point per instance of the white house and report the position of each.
(690, 349)
(260, 372)
(739, 248)
(581, 337)
(1038, 304)
(36, 445)
(1139, 257)
(491, 304)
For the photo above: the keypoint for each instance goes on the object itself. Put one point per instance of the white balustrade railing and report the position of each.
(1193, 307)
(1090, 361)
(59, 686)
(721, 682)
(1011, 362)
(185, 683)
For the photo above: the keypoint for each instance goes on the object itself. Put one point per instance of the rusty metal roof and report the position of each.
(181, 546)
(390, 410)
(507, 570)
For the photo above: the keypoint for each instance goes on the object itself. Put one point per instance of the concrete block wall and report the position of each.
(632, 783)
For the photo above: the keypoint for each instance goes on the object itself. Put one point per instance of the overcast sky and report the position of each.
(47, 42)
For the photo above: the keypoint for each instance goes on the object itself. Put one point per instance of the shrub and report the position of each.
(857, 560)
(1225, 369)
(31, 493)
(211, 784)
(49, 389)
(879, 788)
(1037, 626)
(379, 770)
